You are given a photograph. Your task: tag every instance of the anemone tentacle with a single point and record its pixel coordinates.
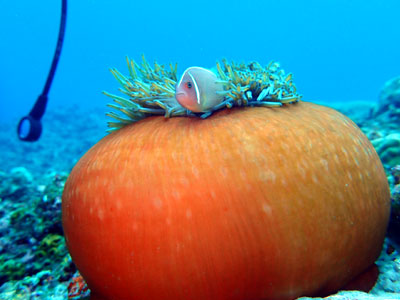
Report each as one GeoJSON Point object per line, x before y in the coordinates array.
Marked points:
{"type": "Point", "coordinates": [151, 90]}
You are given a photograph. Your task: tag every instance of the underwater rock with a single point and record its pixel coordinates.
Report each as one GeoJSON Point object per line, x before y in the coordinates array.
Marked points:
{"type": "Point", "coordinates": [21, 176]}
{"type": "Point", "coordinates": [249, 203]}
{"type": "Point", "coordinates": [389, 99]}
{"type": "Point", "coordinates": [388, 148]}
{"type": "Point", "coordinates": [389, 267]}
{"type": "Point", "coordinates": [394, 224]}
{"type": "Point", "coordinates": [354, 295]}
{"type": "Point", "coordinates": [15, 183]}
{"type": "Point", "coordinates": [396, 174]}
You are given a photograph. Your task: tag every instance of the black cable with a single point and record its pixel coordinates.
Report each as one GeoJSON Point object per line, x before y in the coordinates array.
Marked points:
{"type": "Point", "coordinates": [58, 48]}
{"type": "Point", "coordinates": [30, 127]}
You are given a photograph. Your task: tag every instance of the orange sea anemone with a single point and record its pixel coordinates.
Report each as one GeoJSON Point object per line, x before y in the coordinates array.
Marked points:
{"type": "Point", "coordinates": [250, 203]}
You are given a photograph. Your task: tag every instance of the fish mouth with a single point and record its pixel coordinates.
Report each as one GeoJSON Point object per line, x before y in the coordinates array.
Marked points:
{"type": "Point", "coordinates": [180, 93]}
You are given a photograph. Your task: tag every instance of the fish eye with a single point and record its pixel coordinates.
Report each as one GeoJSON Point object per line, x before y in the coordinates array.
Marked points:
{"type": "Point", "coordinates": [189, 84]}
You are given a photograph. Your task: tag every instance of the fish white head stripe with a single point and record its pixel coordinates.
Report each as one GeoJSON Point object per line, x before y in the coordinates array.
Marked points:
{"type": "Point", "coordinates": [195, 87]}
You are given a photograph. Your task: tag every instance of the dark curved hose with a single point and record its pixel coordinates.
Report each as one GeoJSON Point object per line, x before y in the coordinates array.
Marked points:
{"type": "Point", "coordinates": [30, 127]}
{"type": "Point", "coordinates": [58, 48]}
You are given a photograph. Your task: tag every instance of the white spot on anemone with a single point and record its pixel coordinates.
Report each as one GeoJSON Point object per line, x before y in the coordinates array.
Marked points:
{"type": "Point", "coordinates": [349, 176]}
{"type": "Point", "coordinates": [325, 164]}
{"type": "Point", "coordinates": [157, 203]}
{"type": "Point", "coordinates": [195, 172]}
{"type": "Point", "coordinates": [266, 208]}
{"type": "Point", "coordinates": [118, 204]}
{"type": "Point", "coordinates": [224, 172]}
{"type": "Point", "coordinates": [100, 214]}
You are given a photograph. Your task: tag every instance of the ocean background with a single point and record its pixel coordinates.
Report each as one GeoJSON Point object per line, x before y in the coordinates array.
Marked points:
{"type": "Point", "coordinates": [341, 53]}
{"type": "Point", "coordinates": [338, 50]}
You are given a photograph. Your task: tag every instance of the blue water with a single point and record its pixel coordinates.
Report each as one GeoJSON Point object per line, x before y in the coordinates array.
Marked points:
{"type": "Point", "coordinates": [338, 50]}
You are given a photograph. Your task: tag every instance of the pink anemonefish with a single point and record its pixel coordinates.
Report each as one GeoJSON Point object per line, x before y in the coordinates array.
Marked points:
{"type": "Point", "coordinates": [197, 90]}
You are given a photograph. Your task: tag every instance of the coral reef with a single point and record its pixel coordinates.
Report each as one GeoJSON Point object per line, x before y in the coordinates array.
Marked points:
{"type": "Point", "coordinates": [32, 248]}
{"type": "Point", "coordinates": [42, 285]}
{"type": "Point", "coordinates": [389, 266]}
{"type": "Point", "coordinates": [388, 148]}
{"type": "Point", "coordinates": [383, 124]}
{"type": "Point", "coordinates": [389, 100]}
